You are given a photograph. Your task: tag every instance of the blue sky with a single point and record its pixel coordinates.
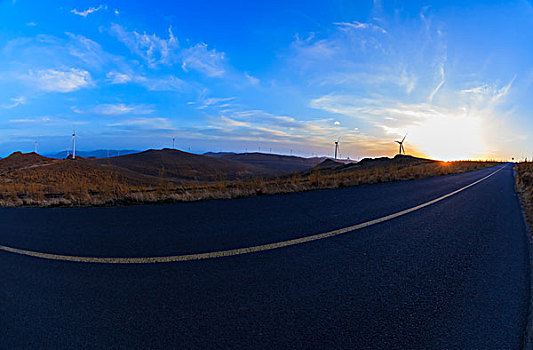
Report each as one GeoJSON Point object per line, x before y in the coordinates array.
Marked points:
{"type": "Point", "coordinates": [293, 75]}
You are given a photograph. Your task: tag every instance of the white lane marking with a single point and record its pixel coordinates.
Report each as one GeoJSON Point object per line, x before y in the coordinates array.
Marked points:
{"type": "Point", "coordinates": [232, 252]}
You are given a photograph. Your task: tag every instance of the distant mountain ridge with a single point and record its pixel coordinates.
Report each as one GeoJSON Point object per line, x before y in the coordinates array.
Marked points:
{"type": "Point", "coordinates": [99, 153]}
{"type": "Point", "coordinates": [175, 164]}
{"type": "Point", "coordinates": [281, 164]}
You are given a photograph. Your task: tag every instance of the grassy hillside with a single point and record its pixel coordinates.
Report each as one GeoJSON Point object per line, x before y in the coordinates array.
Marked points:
{"type": "Point", "coordinates": [183, 166]}
{"type": "Point", "coordinates": [279, 164]}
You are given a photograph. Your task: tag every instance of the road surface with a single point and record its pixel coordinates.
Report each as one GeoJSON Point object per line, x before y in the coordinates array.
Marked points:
{"type": "Point", "coordinates": [453, 274]}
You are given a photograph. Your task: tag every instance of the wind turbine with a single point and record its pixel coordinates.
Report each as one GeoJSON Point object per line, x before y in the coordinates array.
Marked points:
{"type": "Point", "coordinates": [337, 148]}
{"type": "Point", "coordinates": [35, 143]}
{"type": "Point", "coordinates": [74, 143]}
{"type": "Point", "coordinates": [401, 144]}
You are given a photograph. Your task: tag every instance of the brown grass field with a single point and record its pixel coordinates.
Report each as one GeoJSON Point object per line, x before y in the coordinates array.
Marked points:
{"type": "Point", "coordinates": [46, 182]}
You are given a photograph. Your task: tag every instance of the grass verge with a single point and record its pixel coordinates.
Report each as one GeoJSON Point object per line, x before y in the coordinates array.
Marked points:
{"type": "Point", "coordinates": [81, 187]}
{"type": "Point", "coordinates": [524, 187]}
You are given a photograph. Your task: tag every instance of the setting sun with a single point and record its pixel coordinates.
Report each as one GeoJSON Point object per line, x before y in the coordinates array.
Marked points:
{"type": "Point", "coordinates": [449, 138]}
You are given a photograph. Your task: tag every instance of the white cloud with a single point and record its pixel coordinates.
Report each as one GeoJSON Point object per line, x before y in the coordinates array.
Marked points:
{"type": "Point", "coordinates": [22, 120]}
{"type": "Point", "coordinates": [28, 120]}
{"type": "Point", "coordinates": [60, 80]}
{"type": "Point", "coordinates": [31, 24]}
{"type": "Point", "coordinates": [151, 48]}
{"type": "Point", "coordinates": [215, 102]}
{"type": "Point", "coordinates": [200, 58]}
{"type": "Point", "coordinates": [88, 51]}
{"type": "Point", "coordinates": [158, 51]}
{"type": "Point", "coordinates": [87, 12]}
{"type": "Point", "coordinates": [121, 108]}
{"type": "Point", "coordinates": [169, 83]}
{"type": "Point", "coordinates": [251, 79]}
{"type": "Point", "coordinates": [16, 101]}
{"type": "Point", "coordinates": [488, 94]}
{"type": "Point", "coordinates": [360, 25]}
{"type": "Point", "coordinates": [442, 81]}
{"type": "Point", "coordinates": [118, 78]}
{"type": "Point", "coordinates": [232, 122]}
{"type": "Point", "coordinates": [144, 123]}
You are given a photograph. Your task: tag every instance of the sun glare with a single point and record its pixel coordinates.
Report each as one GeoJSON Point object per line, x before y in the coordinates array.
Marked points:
{"type": "Point", "coordinates": [449, 138]}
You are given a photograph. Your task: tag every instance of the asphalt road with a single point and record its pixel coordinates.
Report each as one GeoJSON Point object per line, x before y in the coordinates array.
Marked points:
{"type": "Point", "coordinates": [452, 275]}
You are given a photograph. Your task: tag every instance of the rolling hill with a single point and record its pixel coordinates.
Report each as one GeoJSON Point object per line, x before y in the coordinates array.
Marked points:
{"type": "Point", "coordinates": [279, 164]}
{"type": "Point", "coordinates": [99, 153]}
{"type": "Point", "coordinates": [19, 160]}
{"type": "Point", "coordinates": [398, 162]}
{"type": "Point", "coordinates": [183, 166]}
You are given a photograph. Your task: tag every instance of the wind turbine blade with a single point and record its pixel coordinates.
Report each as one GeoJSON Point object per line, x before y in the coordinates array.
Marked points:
{"type": "Point", "coordinates": [398, 142]}
{"type": "Point", "coordinates": [404, 138]}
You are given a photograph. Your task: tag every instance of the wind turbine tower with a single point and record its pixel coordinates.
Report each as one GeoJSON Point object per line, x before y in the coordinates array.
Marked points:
{"type": "Point", "coordinates": [402, 149]}
{"type": "Point", "coordinates": [73, 143]}
{"type": "Point", "coordinates": [337, 148]}
{"type": "Point", "coordinates": [35, 144]}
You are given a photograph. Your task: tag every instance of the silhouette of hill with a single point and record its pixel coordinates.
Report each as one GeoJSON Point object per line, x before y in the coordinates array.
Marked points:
{"type": "Point", "coordinates": [19, 160]}
{"type": "Point", "coordinates": [175, 164]}
{"type": "Point", "coordinates": [397, 162]}
{"type": "Point", "coordinates": [280, 164]}
{"type": "Point", "coordinates": [99, 153]}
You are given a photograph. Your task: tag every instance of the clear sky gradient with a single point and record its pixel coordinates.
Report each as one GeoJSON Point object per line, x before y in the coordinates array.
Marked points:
{"type": "Point", "coordinates": [278, 75]}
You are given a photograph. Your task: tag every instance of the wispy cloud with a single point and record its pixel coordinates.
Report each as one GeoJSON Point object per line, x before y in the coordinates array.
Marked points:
{"type": "Point", "coordinates": [88, 51]}
{"type": "Point", "coordinates": [153, 49]}
{"type": "Point", "coordinates": [60, 80]}
{"type": "Point", "coordinates": [215, 102]}
{"type": "Point", "coordinates": [168, 83]}
{"type": "Point", "coordinates": [30, 120]}
{"type": "Point", "coordinates": [121, 108]}
{"type": "Point", "coordinates": [118, 78]}
{"type": "Point", "coordinates": [488, 93]}
{"type": "Point", "coordinates": [251, 79]}
{"type": "Point", "coordinates": [232, 122]}
{"type": "Point", "coordinates": [200, 58]}
{"type": "Point", "coordinates": [144, 124]}
{"type": "Point", "coordinates": [87, 12]}
{"type": "Point", "coordinates": [360, 25]}
{"type": "Point", "coordinates": [442, 81]}
{"type": "Point", "coordinates": [16, 101]}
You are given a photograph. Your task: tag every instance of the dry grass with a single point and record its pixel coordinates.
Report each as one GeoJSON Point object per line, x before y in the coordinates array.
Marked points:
{"type": "Point", "coordinates": [524, 187]}
{"type": "Point", "coordinates": [67, 183]}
